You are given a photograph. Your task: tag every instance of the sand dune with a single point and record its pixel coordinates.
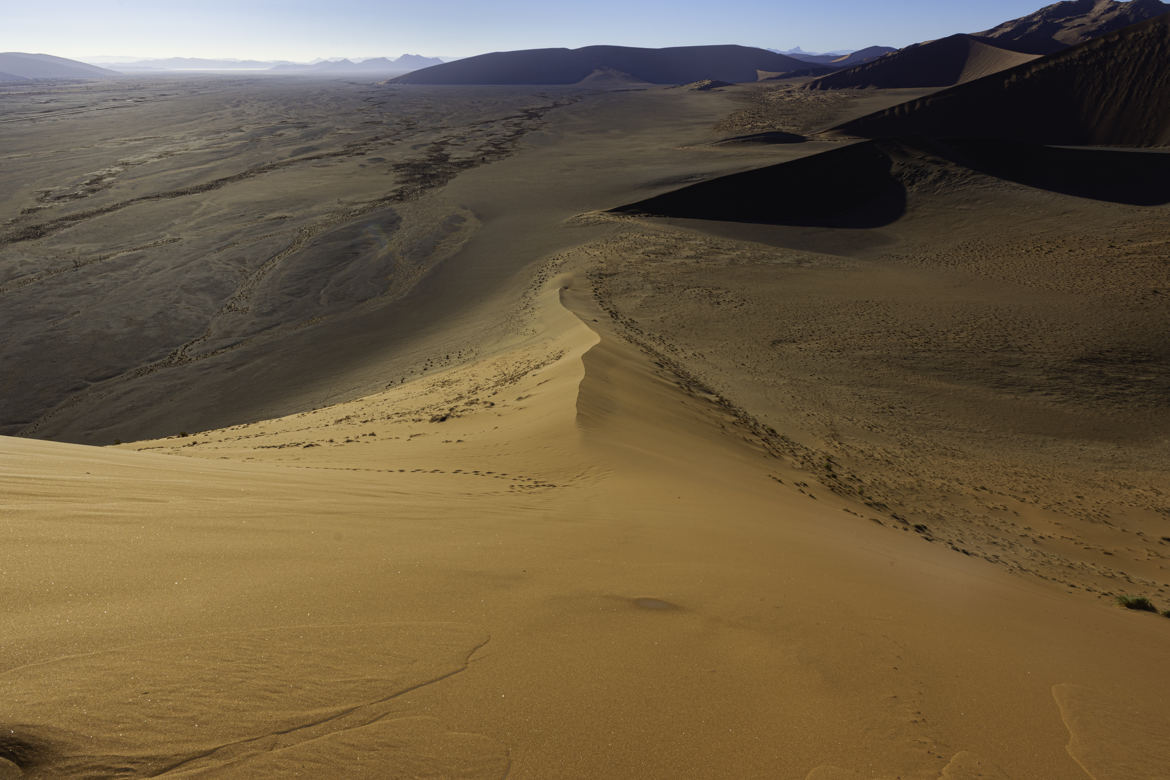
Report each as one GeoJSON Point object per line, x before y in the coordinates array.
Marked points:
{"type": "Point", "coordinates": [865, 184]}
{"type": "Point", "coordinates": [942, 63]}
{"type": "Point", "coordinates": [369, 591]}
{"type": "Point", "coordinates": [302, 224]}
{"type": "Point", "coordinates": [1072, 97]}
{"type": "Point", "coordinates": [1060, 25]}
{"type": "Point", "coordinates": [19, 66]}
{"type": "Point", "coordinates": [843, 60]}
{"type": "Point", "coordinates": [848, 187]}
{"type": "Point", "coordinates": [607, 78]}
{"type": "Point", "coordinates": [447, 471]}
{"type": "Point", "coordinates": [862, 55]}
{"type": "Point", "coordinates": [677, 65]}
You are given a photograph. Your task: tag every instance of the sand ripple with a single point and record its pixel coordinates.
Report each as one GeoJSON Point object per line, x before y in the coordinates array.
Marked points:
{"type": "Point", "coordinates": [227, 701]}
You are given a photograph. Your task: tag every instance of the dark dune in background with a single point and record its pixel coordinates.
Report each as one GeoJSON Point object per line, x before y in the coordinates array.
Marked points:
{"type": "Point", "coordinates": [862, 55]}
{"type": "Point", "coordinates": [957, 59]}
{"type": "Point", "coordinates": [842, 60]}
{"type": "Point", "coordinates": [19, 67]}
{"type": "Point", "coordinates": [676, 65]}
{"type": "Point", "coordinates": [946, 62]}
{"type": "Point", "coordinates": [865, 185]}
{"type": "Point", "coordinates": [1061, 25]}
{"type": "Point", "coordinates": [1137, 178]}
{"type": "Point", "coordinates": [1113, 90]}
{"type": "Point", "coordinates": [811, 58]}
{"type": "Point", "coordinates": [848, 187]}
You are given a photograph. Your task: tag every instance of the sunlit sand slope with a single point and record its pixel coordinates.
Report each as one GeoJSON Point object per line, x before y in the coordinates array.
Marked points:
{"type": "Point", "coordinates": [562, 560]}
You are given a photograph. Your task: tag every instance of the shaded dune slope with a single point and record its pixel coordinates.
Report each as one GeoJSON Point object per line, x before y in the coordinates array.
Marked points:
{"type": "Point", "coordinates": [1129, 177]}
{"type": "Point", "coordinates": [866, 185]}
{"type": "Point", "coordinates": [1061, 25]}
{"type": "Point", "coordinates": [845, 60]}
{"type": "Point", "coordinates": [1113, 90]}
{"type": "Point", "coordinates": [942, 63]}
{"type": "Point", "coordinates": [848, 187]}
{"type": "Point", "coordinates": [677, 65]}
{"type": "Point", "coordinates": [867, 54]}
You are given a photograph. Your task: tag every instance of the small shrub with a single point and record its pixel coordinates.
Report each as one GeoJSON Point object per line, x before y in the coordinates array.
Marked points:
{"type": "Point", "coordinates": [1140, 603]}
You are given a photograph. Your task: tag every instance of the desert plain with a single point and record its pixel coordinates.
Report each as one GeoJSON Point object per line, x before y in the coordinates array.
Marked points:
{"type": "Point", "coordinates": [393, 430]}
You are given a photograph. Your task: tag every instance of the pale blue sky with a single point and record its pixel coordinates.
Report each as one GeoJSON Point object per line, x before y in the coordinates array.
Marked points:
{"type": "Point", "coordinates": [303, 29]}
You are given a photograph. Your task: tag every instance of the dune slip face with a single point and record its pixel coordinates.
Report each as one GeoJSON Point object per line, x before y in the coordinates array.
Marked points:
{"type": "Point", "coordinates": [1110, 90]}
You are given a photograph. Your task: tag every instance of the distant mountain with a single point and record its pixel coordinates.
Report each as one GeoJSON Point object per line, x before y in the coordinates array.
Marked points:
{"type": "Point", "coordinates": [190, 63]}
{"type": "Point", "coordinates": [678, 65]}
{"type": "Point", "coordinates": [942, 63]}
{"type": "Point", "coordinates": [18, 67]}
{"type": "Point", "coordinates": [1061, 25]}
{"type": "Point", "coordinates": [839, 59]}
{"type": "Point", "coordinates": [1113, 90]}
{"type": "Point", "coordinates": [416, 61]}
{"type": "Point", "coordinates": [808, 56]}
{"type": "Point", "coordinates": [378, 66]}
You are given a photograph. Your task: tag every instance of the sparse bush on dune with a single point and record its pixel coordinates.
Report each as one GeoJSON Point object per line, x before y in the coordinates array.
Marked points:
{"type": "Point", "coordinates": [1140, 603]}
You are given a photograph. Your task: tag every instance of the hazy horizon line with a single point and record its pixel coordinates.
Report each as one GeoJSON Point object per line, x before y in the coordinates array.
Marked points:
{"type": "Point", "coordinates": [128, 58]}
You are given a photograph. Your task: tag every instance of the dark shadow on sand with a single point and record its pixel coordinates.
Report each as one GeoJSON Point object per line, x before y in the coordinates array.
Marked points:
{"type": "Point", "coordinates": [852, 187]}
{"type": "Point", "coordinates": [771, 137]}
{"type": "Point", "coordinates": [1137, 178]}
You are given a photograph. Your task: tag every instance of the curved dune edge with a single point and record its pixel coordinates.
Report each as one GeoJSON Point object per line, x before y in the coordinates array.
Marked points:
{"type": "Point", "coordinates": [662, 599]}
{"type": "Point", "coordinates": [1105, 730]}
{"type": "Point", "coordinates": [946, 62]}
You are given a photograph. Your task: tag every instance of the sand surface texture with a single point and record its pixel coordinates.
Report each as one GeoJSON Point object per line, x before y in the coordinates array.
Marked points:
{"type": "Point", "coordinates": [523, 487]}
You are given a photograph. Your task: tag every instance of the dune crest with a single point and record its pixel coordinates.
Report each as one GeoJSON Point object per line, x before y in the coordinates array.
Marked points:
{"type": "Point", "coordinates": [606, 580]}
{"type": "Point", "coordinates": [1072, 97]}
{"type": "Point", "coordinates": [674, 65]}
{"type": "Point", "coordinates": [1069, 23]}
{"type": "Point", "coordinates": [942, 63]}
